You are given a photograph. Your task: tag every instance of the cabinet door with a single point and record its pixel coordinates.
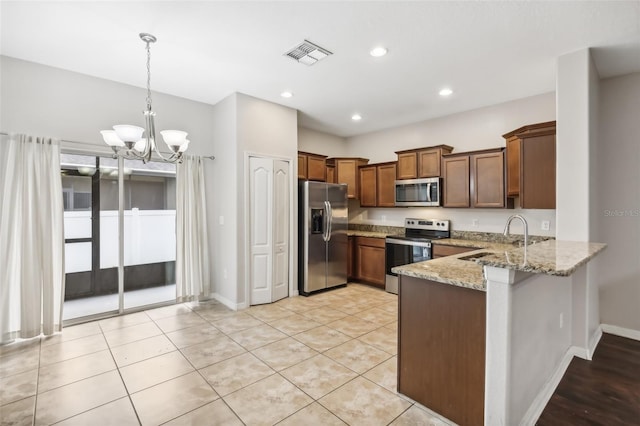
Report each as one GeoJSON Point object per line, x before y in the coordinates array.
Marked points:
{"type": "Point", "coordinates": [429, 163]}
{"type": "Point", "coordinates": [441, 250]}
{"type": "Point", "coordinates": [513, 166]}
{"type": "Point", "coordinates": [407, 165]}
{"type": "Point", "coordinates": [368, 186]}
{"type": "Point", "coordinates": [386, 196]}
{"type": "Point", "coordinates": [316, 168]}
{"type": "Point", "coordinates": [331, 174]}
{"type": "Point", "coordinates": [370, 263]}
{"type": "Point", "coordinates": [302, 166]}
{"type": "Point", "coordinates": [455, 188]}
{"type": "Point", "coordinates": [347, 172]}
{"type": "Point", "coordinates": [538, 181]}
{"type": "Point", "coordinates": [487, 180]}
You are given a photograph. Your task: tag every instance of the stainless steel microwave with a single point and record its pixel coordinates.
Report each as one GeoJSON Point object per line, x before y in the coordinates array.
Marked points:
{"type": "Point", "coordinates": [418, 192]}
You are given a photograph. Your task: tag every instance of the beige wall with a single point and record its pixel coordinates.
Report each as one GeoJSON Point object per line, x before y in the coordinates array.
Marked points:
{"type": "Point", "coordinates": [321, 143]}
{"type": "Point", "coordinates": [616, 216]}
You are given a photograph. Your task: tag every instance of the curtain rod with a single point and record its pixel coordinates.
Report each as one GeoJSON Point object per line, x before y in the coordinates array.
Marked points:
{"type": "Point", "coordinates": [210, 157]}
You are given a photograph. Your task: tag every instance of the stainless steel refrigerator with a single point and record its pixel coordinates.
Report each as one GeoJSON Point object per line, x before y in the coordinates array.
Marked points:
{"type": "Point", "coordinates": [322, 236]}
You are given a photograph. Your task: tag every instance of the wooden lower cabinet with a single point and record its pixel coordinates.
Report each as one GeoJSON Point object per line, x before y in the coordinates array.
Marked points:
{"type": "Point", "coordinates": [441, 348]}
{"type": "Point", "coordinates": [441, 250]}
{"type": "Point", "coordinates": [370, 260]}
{"type": "Point", "coordinates": [351, 270]}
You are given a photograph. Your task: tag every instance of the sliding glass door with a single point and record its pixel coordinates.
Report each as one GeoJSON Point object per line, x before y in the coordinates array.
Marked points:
{"type": "Point", "coordinates": [91, 192]}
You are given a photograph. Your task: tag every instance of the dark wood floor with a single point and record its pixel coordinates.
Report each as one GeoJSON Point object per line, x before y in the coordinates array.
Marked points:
{"type": "Point", "coordinates": [604, 391]}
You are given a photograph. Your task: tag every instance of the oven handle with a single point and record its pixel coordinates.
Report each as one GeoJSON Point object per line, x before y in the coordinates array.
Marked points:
{"type": "Point", "coordinates": [408, 243]}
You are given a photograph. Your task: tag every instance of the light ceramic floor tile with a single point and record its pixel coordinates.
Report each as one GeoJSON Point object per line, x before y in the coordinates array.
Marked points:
{"type": "Point", "coordinates": [393, 326]}
{"type": "Point", "coordinates": [300, 304]}
{"type": "Point", "coordinates": [324, 315]}
{"type": "Point", "coordinates": [193, 335]}
{"type": "Point", "coordinates": [294, 324]}
{"type": "Point", "coordinates": [72, 333]}
{"type": "Point", "coordinates": [256, 337]}
{"type": "Point", "coordinates": [391, 307]}
{"type": "Point", "coordinates": [20, 346]}
{"type": "Point", "coordinates": [272, 399]}
{"type": "Point", "coordinates": [141, 350]}
{"type": "Point", "coordinates": [124, 321]}
{"type": "Point", "coordinates": [66, 401]}
{"type": "Point", "coordinates": [117, 413]}
{"type": "Point", "coordinates": [19, 413]}
{"type": "Point", "coordinates": [167, 311]}
{"type": "Point", "coordinates": [377, 316]}
{"type": "Point", "coordinates": [385, 374]}
{"type": "Point", "coordinates": [203, 305]}
{"type": "Point", "coordinates": [235, 373]}
{"type": "Point", "coordinates": [212, 351]}
{"type": "Point", "coordinates": [152, 371]}
{"type": "Point", "coordinates": [19, 362]}
{"type": "Point", "coordinates": [236, 322]}
{"type": "Point", "coordinates": [218, 313]}
{"type": "Point", "coordinates": [72, 370]}
{"type": "Point", "coordinates": [72, 349]}
{"type": "Point", "coordinates": [284, 353]}
{"type": "Point", "coordinates": [122, 336]}
{"type": "Point", "coordinates": [216, 412]}
{"type": "Point", "coordinates": [314, 414]}
{"type": "Point", "coordinates": [168, 400]}
{"type": "Point", "coordinates": [268, 313]}
{"type": "Point", "coordinates": [179, 322]}
{"type": "Point", "coordinates": [354, 306]}
{"type": "Point", "coordinates": [417, 416]}
{"type": "Point", "coordinates": [318, 376]}
{"type": "Point", "coordinates": [383, 338]}
{"type": "Point", "coordinates": [18, 386]}
{"type": "Point", "coordinates": [353, 326]}
{"type": "Point", "coordinates": [361, 402]}
{"type": "Point", "coordinates": [322, 338]}
{"type": "Point", "coordinates": [357, 356]}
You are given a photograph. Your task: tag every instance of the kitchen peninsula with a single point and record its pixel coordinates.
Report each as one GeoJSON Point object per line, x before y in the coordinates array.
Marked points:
{"type": "Point", "coordinates": [484, 334]}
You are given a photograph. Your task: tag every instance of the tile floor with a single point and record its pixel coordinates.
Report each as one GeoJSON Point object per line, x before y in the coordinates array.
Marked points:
{"type": "Point", "coordinates": [329, 359]}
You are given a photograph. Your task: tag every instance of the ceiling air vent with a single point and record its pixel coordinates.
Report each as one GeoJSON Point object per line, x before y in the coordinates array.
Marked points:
{"type": "Point", "coordinates": [308, 53]}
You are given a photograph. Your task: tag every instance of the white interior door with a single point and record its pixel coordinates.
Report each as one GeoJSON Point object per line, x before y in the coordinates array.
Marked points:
{"type": "Point", "coordinates": [280, 230]}
{"type": "Point", "coordinates": [261, 229]}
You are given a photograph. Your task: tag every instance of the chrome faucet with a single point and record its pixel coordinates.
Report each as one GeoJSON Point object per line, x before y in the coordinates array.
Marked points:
{"type": "Point", "coordinates": [524, 222]}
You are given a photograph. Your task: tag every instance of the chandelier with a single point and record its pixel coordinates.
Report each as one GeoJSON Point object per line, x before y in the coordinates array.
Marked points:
{"type": "Point", "coordinates": [127, 141]}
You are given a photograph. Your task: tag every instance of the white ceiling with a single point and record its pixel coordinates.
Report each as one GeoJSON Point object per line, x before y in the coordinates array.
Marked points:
{"type": "Point", "coordinates": [487, 52]}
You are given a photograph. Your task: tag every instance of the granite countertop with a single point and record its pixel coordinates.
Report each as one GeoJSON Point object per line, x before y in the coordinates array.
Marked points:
{"type": "Point", "coordinates": [370, 234]}
{"type": "Point", "coordinates": [550, 257]}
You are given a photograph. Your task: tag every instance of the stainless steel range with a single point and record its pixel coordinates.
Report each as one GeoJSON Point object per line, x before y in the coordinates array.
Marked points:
{"type": "Point", "coordinates": [414, 246]}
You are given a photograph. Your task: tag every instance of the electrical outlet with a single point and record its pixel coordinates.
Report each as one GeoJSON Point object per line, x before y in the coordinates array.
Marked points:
{"type": "Point", "coordinates": [544, 225]}
{"type": "Point", "coordinates": [475, 223]}
{"type": "Point", "coordinates": [561, 319]}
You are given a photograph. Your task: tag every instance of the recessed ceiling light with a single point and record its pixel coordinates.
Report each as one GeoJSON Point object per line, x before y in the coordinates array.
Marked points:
{"type": "Point", "coordinates": [376, 52]}
{"type": "Point", "coordinates": [356, 117]}
{"type": "Point", "coordinates": [286, 94]}
{"type": "Point", "coordinates": [446, 92]}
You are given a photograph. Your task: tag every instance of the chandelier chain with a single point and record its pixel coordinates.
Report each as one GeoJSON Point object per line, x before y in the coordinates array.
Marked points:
{"type": "Point", "coordinates": [148, 76]}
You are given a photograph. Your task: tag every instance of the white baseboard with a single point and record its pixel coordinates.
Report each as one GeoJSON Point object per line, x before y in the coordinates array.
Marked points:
{"type": "Point", "coordinates": [593, 342]}
{"type": "Point", "coordinates": [228, 303]}
{"type": "Point", "coordinates": [621, 331]}
{"type": "Point", "coordinates": [542, 399]}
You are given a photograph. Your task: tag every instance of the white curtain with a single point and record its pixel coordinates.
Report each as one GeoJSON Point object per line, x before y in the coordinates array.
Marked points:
{"type": "Point", "coordinates": [192, 256]}
{"type": "Point", "coordinates": [31, 238]}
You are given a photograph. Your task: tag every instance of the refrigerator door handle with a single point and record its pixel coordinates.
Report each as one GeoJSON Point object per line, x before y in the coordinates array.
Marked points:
{"type": "Point", "coordinates": [330, 220]}
{"type": "Point", "coordinates": [325, 235]}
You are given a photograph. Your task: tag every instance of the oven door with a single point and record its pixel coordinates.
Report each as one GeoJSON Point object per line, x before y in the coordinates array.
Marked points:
{"type": "Point", "coordinates": [403, 252]}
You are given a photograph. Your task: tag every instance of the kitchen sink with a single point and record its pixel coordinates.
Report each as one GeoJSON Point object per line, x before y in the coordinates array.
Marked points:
{"type": "Point", "coordinates": [475, 255]}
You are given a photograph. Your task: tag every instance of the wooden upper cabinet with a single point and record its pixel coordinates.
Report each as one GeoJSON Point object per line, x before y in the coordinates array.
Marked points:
{"type": "Point", "coordinates": [312, 166]}
{"type": "Point", "coordinates": [386, 184]}
{"type": "Point", "coordinates": [331, 174]}
{"type": "Point", "coordinates": [531, 165]}
{"type": "Point", "coordinates": [474, 179]}
{"type": "Point", "coordinates": [407, 165]}
{"type": "Point", "coordinates": [368, 186]}
{"type": "Point", "coordinates": [347, 172]}
{"type": "Point", "coordinates": [421, 162]}
{"type": "Point", "coordinates": [455, 181]}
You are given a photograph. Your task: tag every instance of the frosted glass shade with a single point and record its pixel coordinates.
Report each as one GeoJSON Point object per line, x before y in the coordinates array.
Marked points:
{"type": "Point", "coordinates": [173, 138]}
{"type": "Point", "coordinates": [184, 146]}
{"type": "Point", "coordinates": [140, 145]}
{"type": "Point", "coordinates": [111, 138]}
{"type": "Point", "coordinates": [128, 133]}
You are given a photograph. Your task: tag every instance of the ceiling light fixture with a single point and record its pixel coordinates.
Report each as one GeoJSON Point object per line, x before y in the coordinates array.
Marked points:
{"type": "Point", "coordinates": [445, 92]}
{"type": "Point", "coordinates": [378, 51]}
{"type": "Point", "coordinates": [286, 94]}
{"type": "Point", "coordinates": [356, 117]}
{"type": "Point", "coordinates": [127, 141]}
